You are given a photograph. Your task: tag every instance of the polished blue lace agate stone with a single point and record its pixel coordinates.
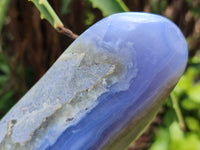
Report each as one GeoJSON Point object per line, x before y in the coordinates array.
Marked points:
{"type": "Point", "coordinates": [103, 90]}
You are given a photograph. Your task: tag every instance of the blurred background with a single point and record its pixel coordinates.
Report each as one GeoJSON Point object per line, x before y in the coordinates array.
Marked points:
{"type": "Point", "coordinates": [29, 46]}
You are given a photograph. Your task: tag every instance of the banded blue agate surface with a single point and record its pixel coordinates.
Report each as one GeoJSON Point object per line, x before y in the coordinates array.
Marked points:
{"type": "Point", "coordinates": [103, 90]}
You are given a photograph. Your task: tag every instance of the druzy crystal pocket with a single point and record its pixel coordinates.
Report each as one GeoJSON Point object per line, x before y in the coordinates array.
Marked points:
{"type": "Point", "coordinates": [103, 90]}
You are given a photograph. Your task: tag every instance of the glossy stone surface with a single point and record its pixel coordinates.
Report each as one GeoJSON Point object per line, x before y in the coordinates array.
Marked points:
{"type": "Point", "coordinates": [103, 90]}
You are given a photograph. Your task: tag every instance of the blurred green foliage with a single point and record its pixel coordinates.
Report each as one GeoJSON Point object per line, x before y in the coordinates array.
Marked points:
{"type": "Point", "coordinates": [5, 102]}
{"type": "Point", "coordinates": [65, 7]}
{"type": "Point", "coordinates": [169, 135]}
{"type": "Point", "coordinates": [5, 74]}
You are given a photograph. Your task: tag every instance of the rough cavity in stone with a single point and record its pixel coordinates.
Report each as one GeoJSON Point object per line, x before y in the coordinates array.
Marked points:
{"type": "Point", "coordinates": [81, 74]}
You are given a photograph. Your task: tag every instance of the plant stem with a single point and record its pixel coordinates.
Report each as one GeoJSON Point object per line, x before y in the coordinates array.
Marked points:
{"type": "Point", "coordinates": [49, 14]}
{"type": "Point", "coordinates": [177, 111]}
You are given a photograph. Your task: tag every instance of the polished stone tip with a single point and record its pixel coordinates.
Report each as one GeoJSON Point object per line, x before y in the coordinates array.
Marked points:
{"type": "Point", "coordinates": [103, 90]}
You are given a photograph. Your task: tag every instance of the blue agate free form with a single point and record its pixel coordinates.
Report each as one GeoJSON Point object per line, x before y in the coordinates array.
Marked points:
{"type": "Point", "coordinates": [103, 90]}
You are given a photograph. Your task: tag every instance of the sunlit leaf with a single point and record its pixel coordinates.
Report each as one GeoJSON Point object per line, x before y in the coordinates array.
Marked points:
{"type": "Point", "coordinates": [109, 7]}
{"type": "Point", "coordinates": [175, 131]}
{"type": "Point", "coordinates": [89, 19]}
{"type": "Point", "coordinates": [189, 105]}
{"type": "Point", "coordinates": [186, 80]}
{"type": "Point", "coordinates": [162, 140]}
{"type": "Point", "coordinates": [187, 142]}
{"type": "Point", "coordinates": [192, 123]}
{"type": "Point", "coordinates": [194, 93]}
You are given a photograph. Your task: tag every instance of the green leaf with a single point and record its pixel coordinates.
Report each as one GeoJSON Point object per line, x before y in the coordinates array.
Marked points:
{"type": "Point", "coordinates": [175, 132]}
{"type": "Point", "coordinates": [4, 68]}
{"type": "Point", "coordinates": [194, 93]}
{"type": "Point", "coordinates": [109, 7]}
{"type": "Point", "coordinates": [173, 138]}
{"type": "Point", "coordinates": [169, 117]}
{"type": "Point", "coordinates": [162, 140]}
{"type": "Point", "coordinates": [186, 81]}
{"type": "Point", "coordinates": [89, 19]}
{"type": "Point", "coordinates": [192, 123]}
{"type": "Point", "coordinates": [48, 13]}
{"type": "Point", "coordinates": [4, 4]}
{"type": "Point", "coordinates": [3, 79]}
{"type": "Point", "coordinates": [188, 142]}
{"type": "Point", "coordinates": [188, 104]}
